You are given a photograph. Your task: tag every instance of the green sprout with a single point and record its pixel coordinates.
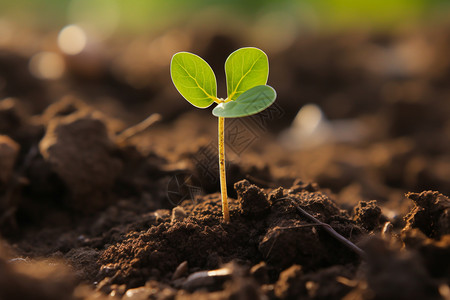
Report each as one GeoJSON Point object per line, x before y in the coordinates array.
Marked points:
{"type": "Point", "coordinates": [246, 70]}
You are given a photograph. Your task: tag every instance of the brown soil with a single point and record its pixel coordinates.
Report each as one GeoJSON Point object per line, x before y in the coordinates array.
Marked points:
{"type": "Point", "coordinates": [85, 214]}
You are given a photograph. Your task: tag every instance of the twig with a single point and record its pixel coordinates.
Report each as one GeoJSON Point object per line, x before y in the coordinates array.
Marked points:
{"type": "Point", "coordinates": [138, 128]}
{"type": "Point", "coordinates": [328, 229]}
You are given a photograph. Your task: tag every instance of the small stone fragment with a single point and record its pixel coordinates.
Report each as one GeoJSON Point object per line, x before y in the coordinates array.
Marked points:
{"type": "Point", "coordinates": [204, 279]}
{"type": "Point", "coordinates": [178, 214]}
{"type": "Point", "coordinates": [180, 270]}
{"type": "Point", "coordinates": [386, 232]}
{"type": "Point", "coordinates": [140, 293]}
{"type": "Point", "coordinates": [117, 290]}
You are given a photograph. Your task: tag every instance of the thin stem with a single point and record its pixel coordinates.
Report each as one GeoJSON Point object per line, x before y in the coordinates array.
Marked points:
{"type": "Point", "coordinates": [223, 180]}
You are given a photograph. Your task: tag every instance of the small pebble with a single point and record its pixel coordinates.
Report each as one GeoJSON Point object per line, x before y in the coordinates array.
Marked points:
{"type": "Point", "coordinates": [180, 270]}
{"type": "Point", "coordinates": [140, 293]}
{"type": "Point", "coordinates": [203, 279]}
{"type": "Point", "coordinates": [178, 214]}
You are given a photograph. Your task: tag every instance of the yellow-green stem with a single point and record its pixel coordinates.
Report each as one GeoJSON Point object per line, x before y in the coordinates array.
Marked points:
{"type": "Point", "coordinates": [223, 180]}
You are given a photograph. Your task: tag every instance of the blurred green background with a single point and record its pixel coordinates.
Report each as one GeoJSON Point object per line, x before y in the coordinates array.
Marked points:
{"type": "Point", "coordinates": [143, 15]}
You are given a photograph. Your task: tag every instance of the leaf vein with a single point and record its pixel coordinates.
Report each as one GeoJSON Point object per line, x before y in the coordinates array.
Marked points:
{"type": "Point", "coordinates": [244, 75]}
{"type": "Point", "coordinates": [195, 80]}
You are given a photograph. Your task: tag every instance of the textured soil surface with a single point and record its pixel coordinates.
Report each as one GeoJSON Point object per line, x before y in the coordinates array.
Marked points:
{"type": "Point", "coordinates": [358, 209]}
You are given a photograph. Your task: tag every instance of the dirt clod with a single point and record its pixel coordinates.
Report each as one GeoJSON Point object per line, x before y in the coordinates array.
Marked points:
{"type": "Point", "coordinates": [40, 280]}
{"type": "Point", "coordinates": [408, 278]}
{"type": "Point", "coordinates": [252, 200]}
{"type": "Point", "coordinates": [367, 214]}
{"type": "Point", "coordinates": [292, 242]}
{"type": "Point", "coordinates": [434, 253]}
{"type": "Point", "coordinates": [80, 151]}
{"type": "Point", "coordinates": [299, 186]}
{"type": "Point", "coordinates": [431, 214]}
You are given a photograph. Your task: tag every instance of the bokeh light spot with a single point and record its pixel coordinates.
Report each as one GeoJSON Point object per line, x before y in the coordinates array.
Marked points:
{"type": "Point", "coordinates": [47, 65]}
{"type": "Point", "coordinates": [72, 39]}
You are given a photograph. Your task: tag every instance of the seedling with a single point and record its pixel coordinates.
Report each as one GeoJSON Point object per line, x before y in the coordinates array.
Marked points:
{"type": "Point", "coordinates": [246, 70]}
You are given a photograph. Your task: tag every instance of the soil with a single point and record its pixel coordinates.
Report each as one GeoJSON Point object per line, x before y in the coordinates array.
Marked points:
{"type": "Point", "coordinates": [359, 214]}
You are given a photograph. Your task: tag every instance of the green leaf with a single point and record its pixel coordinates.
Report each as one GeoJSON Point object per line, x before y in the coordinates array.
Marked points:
{"type": "Point", "coordinates": [194, 79]}
{"type": "Point", "coordinates": [245, 68]}
{"type": "Point", "coordinates": [249, 103]}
